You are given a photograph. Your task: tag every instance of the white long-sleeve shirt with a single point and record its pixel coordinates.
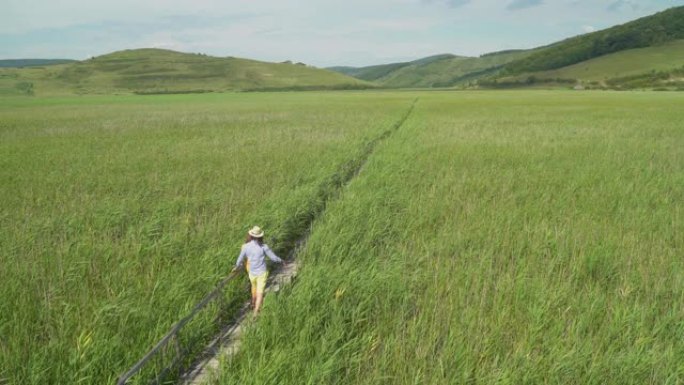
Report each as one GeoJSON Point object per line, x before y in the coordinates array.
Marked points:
{"type": "Point", "coordinates": [255, 255]}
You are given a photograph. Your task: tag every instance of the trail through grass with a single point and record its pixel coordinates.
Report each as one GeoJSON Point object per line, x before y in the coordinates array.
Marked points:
{"type": "Point", "coordinates": [119, 213]}
{"type": "Point", "coordinates": [509, 237]}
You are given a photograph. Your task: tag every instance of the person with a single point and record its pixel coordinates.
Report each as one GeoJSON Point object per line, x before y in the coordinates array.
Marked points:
{"type": "Point", "coordinates": [253, 254]}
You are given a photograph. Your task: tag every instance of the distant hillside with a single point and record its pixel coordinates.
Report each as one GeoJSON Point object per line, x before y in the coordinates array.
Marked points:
{"type": "Point", "coordinates": [624, 63]}
{"type": "Point", "coordinates": [642, 52]}
{"type": "Point", "coordinates": [648, 31]}
{"type": "Point", "coordinates": [370, 73]}
{"type": "Point", "coordinates": [651, 67]}
{"type": "Point", "coordinates": [376, 72]}
{"type": "Point", "coordinates": [20, 63]}
{"type": "Point", "coordinates": [444, 70]}
{"type": "Point", "coordinates": [448, 72]}
{"type": "Point", "coordinates": [152, 71]}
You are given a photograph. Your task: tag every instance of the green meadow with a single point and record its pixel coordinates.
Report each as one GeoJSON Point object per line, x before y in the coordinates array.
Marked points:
{"type": "Point", "coordinates": [494, 237]}
{"type": "Point", "coordinates": [120, 213]}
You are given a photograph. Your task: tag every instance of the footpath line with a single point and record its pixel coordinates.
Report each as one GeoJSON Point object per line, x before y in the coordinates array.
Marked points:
{"type": "Point", "coordinates": [227, 342]}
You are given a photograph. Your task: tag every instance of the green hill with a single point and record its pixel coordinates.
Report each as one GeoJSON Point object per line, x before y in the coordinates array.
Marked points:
{"type": "Point", "coordinates": [376, 72]}
{"type": "Point", "coordinates": [646, 52]}
{"type": "Point", "coordinates": [448, 72]}
{"type": "Point", "coordinates": [150, 71]}
{"type": "Point", "coordinates": [659, 66]}
{"type": "Point", "coordinates": [624, 63]}
{"type": "Point", "coordinates": [444, 70]}
{"type": "Point", "coordinates": [370, 73]}
{"type": "Point", "coordinates": [648, 31]}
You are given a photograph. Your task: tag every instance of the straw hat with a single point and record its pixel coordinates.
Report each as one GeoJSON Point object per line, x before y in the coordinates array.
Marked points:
{"type": "Point", "coordinates": [256, 232]}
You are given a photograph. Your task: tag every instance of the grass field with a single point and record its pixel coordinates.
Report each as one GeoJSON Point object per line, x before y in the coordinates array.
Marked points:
{"type": "Point", "coordinates": [495, 237]}
{"type": "Point", "coordinates": [120, 213]}
{"type": "Point", "coordinates": [503, 238]}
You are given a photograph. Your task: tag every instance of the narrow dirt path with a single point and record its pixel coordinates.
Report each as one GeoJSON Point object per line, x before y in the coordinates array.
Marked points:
{"type": "Point", "coordinates": [228, 342]}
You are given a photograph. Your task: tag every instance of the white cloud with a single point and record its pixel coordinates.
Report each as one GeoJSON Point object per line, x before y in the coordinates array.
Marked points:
{"type": "Point", "coordinates": [26, 15]}
{"type": "Point", "coordinates": [319, 32]}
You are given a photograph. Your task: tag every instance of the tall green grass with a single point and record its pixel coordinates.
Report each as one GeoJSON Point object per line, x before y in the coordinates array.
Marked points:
{"type": "Point", "coordinates": [510, 238]}
{"type": "Point", "coordinates": [120, 213]}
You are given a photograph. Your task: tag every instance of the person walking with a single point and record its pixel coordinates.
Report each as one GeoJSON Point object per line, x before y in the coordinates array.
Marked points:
{"type": "Point", "coordinates": [253, 254]}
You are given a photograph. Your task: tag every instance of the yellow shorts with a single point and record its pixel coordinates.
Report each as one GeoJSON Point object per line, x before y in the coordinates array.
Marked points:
{"type": "Point", "coordinates": [258, 281]}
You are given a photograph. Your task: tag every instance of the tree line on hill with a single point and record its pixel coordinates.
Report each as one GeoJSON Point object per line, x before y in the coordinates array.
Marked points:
{"type": "Point", "coordinates": [648, 31]}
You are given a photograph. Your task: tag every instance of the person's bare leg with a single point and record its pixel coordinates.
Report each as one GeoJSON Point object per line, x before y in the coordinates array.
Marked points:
{"type": "Point", "coordinates": [259, 301]}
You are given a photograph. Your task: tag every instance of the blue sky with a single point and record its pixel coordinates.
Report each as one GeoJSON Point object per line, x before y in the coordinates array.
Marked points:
{"type": "Point", "coordinates": [317, 32]}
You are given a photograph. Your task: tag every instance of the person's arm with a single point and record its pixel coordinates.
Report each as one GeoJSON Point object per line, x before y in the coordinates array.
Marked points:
{"type": "Point", "coordinates": [271, 255]}
{"type": "Point", "coordinates": [240, 259]}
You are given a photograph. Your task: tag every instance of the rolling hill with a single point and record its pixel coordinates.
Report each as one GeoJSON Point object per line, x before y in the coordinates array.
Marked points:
{"type": "Point", "coordinates": [434, 71]}
{"type": "Point", "coordinates": [449, 72]}
{"type": "Point", "coordinates": [624, 63]}
{"type": "Point", "coordinates": [648, 31]}
{"type": "Point", "coordinates": [377, 72]}
{"type": "Point", "coordinates": [156, 71]}
{"type": "Point", "coordinates": [657, 66]}
{"type": "Point", "coordinates": [644, 53]}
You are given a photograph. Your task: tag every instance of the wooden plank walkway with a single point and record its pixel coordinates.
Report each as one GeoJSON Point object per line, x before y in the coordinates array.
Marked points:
{"type": "Point", "coordinates": [228, 342]}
